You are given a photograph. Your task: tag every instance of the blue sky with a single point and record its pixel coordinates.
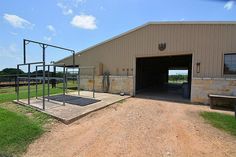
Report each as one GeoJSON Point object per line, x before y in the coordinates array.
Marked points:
{"type": "Point", "coordinates": [78, 24]}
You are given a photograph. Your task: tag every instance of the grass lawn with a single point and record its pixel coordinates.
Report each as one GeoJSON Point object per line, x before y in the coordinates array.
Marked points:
{"type": "Point", "coordinates": [222, 121]}
{"type": "Point", "coordinates": [9, 94]}
{"type": "Point", "coordinates": [19, 126]}
{"type": "Point", "coordinates": [177, 81]}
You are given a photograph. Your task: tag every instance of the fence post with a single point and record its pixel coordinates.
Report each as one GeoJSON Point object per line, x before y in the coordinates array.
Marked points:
{"type": "Point", "coordinates": [64, 79]}
{"type": "Point", "coordinates": [48, 82]}
{"type": "Point", "coordinates": [28, 84]}
{"type": "Point", "coordinates": [44, 76]}
{"type": "Point", "coordinates": [36, 86]}
{"type": "Point", "coordinates": [17, 92]}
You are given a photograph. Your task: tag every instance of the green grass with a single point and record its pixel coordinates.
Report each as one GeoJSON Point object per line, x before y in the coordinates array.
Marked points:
{"type": "Point", "coordinates": [177, 81]}
{"type": "Point", "coordinates": [19, 126]}
{"type": "Point", "coordinates": [9, 94]}
{"type": "Point", "coordinates": [222, 121]}
{"type": "Point", "coordinates": [122, 101]}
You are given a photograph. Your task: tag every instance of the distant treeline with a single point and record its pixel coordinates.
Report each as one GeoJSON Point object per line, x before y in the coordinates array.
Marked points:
{"type": "Point", "coordinates": [9, 74]}
{"type": "Point", "coordinates": [13, 72]}
{"type": "Point", "coordinates": [178, 77]}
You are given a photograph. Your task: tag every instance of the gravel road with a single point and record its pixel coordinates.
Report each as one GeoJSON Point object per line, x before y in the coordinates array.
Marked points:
{"type": "Point", "coordinates": [138, 127]}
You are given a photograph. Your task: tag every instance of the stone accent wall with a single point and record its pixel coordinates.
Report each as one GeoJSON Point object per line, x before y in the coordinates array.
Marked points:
{"type": "Point", "coordinates": [117, 84]}
{"type": "Point", "coordinates": [202, 87]}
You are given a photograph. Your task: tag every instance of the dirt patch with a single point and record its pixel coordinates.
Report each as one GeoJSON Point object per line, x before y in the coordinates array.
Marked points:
{"type": "Point", "coordinates": [137, 127]}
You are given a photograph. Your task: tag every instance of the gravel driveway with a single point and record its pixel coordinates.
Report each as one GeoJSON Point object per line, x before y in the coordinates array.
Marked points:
{"type": "Point", "coordinates": [137, 127]}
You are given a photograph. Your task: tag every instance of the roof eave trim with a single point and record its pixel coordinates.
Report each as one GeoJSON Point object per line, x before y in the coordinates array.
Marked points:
{"type": "Point", "coordinates": [150, 23]}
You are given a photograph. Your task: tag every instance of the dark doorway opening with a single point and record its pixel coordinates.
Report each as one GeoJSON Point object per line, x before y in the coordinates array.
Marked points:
{"type": "Point", "coordinates": [166, 77]}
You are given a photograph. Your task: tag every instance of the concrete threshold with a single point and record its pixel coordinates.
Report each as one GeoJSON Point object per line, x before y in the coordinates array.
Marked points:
{"type": "Point", "coordinates": [71, 112]}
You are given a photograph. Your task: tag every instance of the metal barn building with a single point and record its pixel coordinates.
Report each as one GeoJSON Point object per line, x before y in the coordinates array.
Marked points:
{"type": "Point", "coordinates": [138, 61]}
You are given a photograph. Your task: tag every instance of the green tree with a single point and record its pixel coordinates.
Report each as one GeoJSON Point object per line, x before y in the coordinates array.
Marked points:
{"type": "Point", "coordinates": [11, 71]}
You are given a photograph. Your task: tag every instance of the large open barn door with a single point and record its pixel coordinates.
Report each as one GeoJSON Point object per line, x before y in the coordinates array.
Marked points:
{"type": "Point", "coordinates": [166, 77]}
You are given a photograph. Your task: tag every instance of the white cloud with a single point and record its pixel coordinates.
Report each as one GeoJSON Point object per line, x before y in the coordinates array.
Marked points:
{"type": "Point", "coordinates": [68, 12]}
{"type": "Point", "coordinates": [65, 9]}
{"type": "Point", "coordinates": [229, 5]}
{"type": "Point", "coordinates": [84, 22]}
{"type": "Point", "coordinates": [51, 29]}
{"type": "Point", "coordinates": [101, 8]}
{"type": "Point", "coordinates": [48, 39]}
{"type": "Point", "coordinates": [17, 21]}
{"type": "Point", "coordinates": [13, 33]}
{"type": "Point", "coordinates": [183, 19]}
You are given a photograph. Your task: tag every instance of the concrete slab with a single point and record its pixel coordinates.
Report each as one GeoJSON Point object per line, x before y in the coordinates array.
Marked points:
{"type": "Point", "coordinates": [163, 94]}
{"type": "Point", "coordinates": [71, 112]}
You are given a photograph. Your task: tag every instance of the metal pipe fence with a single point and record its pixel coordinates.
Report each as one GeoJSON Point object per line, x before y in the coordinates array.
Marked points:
{"type": "Point", "coordinates": [43, 76]}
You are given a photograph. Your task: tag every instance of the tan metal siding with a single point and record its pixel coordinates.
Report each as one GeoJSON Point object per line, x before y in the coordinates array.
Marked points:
{"type": "Point", "coordinates": [207, 43]}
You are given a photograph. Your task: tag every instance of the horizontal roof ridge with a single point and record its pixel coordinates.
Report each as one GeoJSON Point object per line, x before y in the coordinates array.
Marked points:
{"type": "Point", "coordinates": [192, 22]}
